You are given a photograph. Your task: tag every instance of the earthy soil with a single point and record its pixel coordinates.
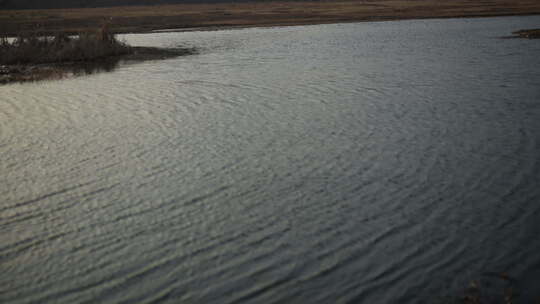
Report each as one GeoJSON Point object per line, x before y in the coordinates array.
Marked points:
{"type": "Point", "coordinates": [267, 13]}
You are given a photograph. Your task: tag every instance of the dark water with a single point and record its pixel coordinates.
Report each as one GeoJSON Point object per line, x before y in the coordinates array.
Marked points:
{"type": "Point", "coordinates": [386, 162]}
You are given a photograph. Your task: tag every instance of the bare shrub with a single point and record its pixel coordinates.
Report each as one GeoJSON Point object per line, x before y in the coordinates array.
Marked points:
{"type": "Point", "coordinates": [35, 49]}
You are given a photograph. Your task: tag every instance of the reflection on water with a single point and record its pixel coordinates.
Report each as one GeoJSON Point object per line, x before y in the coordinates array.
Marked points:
{"type": "Point", "coordinates": [387, 162]}
{"type": "Point", "coordinates": [40, 72]}
{"type": "Point", "coordinates": [87, 68]}
{"type": "Point", "coordinates": [10, 74]}
{"type": "Point", "coordinates": [77, 69]}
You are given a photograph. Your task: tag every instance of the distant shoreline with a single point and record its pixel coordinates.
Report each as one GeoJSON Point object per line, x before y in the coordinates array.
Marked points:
{"type": "Point", "coordinates": [240, 27]}
{"type": "Point", "coordinates": [180, 17]}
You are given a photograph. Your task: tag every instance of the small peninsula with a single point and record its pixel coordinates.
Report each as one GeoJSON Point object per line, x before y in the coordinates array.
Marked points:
{"type": "Point", "coordinates": [32, 57]}
{"type": "Point", "coordinates": [529, 34]}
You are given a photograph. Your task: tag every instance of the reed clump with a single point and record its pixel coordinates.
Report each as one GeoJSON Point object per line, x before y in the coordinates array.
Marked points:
{"type": "Point", "coordinates": [38, 49]}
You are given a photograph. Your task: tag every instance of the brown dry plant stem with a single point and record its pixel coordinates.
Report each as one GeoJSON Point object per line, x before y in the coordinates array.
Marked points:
{"type": "Point", "coordinates": [36, 49]}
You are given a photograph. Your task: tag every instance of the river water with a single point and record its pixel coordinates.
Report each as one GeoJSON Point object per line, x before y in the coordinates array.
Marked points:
{"type": "Point", "coordinates": [388, 162]}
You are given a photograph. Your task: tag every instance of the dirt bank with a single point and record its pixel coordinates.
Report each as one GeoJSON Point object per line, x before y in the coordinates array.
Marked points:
{"type": "Point", "coordinates": [159, 17]}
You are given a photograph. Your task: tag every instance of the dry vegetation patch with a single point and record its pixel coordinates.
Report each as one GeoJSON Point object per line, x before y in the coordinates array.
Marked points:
{"type": "Point", "coordinates": [35, 49]}
{"type": "Point", "coordinates": [31, 57]}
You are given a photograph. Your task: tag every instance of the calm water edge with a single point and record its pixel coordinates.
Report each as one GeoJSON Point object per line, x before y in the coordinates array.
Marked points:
{"type": "Point", "coordinates": [388, 162]}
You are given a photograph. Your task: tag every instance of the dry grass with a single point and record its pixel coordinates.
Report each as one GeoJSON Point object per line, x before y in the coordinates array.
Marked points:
{"type": "Point", "coordinates": [35, 56]}
{"type": "Point", "coordinates": [146, 18]}
{"type": "Point", "coordinates": [37, 49]}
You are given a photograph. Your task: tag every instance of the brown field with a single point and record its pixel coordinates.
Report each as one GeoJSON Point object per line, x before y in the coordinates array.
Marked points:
{"type": "Point", "coordinates": [184, 16]}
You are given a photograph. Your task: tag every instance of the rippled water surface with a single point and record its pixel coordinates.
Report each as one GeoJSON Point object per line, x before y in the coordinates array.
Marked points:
{"type": "Point", "coordinates": [385, 162]}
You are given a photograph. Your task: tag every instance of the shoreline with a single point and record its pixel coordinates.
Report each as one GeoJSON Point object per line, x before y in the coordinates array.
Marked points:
{"type": "Point", "coordinates": [270, 25]}
{"type": "Point", "coordinates": [60, 70]}
{"type": "Point", "coordinates": [220, 16]}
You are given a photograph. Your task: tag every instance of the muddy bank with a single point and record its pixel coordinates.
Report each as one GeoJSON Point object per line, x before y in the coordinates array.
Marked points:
{"type": "Point", "coordinates": [252, 13]}
{"type": "Point", "coordinates": [529, 34]}
{"type": "Point", "coordinates": [59, 70]}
